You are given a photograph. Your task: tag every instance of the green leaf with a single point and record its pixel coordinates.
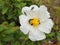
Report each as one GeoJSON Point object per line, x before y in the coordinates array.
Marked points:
{"type": "Point", "coordinates": [1, 3]}
{"type": "Point", "coordinates": [18, 0]}
{"type": "Point", "coordinates": [58, 36]}
{"type": "Point", "coordinates": [8, 38]}
{"type": "Point", "coordinates": [51, 34]}
{"type": "Point", "coordinates": [12, 24]}
{"type": "Point", "coordinates": [16, 43]}
{"type": "Point", "coordinates": [1, 43]}
{"type": "Point", "coordinates": [1, 36]}
{"type": "Point", "coordinates": [19, 11]}
{"type": "Point", "coordinates": [1, 28]}
{"type": "Point", "coordinates": [10, 16]}
{"type": "Point", "coordinates": [9, 31]}
{"type": "Point", "coordinates": [4, 9]}
{"type": "Point", "coordinates": [22, 4]}
{"type": "Point", "coordinates": [5, 23]}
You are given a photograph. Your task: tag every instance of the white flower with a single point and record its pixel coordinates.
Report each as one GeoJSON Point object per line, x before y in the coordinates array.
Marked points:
{"type": "Point", "coordinates": [35, 22]}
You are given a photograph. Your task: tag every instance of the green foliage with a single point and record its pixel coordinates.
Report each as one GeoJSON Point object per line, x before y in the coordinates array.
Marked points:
{"type": "Point", "coordinates": [16, 43]}
{"type": "Point", "coordinates": [58, 36]}
{"type": "Point", "coordinates": [57, 13]}
{"type": "Point", "coordinates": [10, 10]}
{"type": "Point", "coordinates": [0, 43]}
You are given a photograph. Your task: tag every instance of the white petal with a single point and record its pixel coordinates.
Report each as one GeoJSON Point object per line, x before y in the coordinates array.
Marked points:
{"type": "Point", "coordinates": [24, 29]}
{"type": "Point", "coordinates": [36, 35]}
{"type": "Point", "coordinates": [25, 10]}
{"type": "Point", "coordinates": [44, 14]}
{"type": "Point", "coordinates": [34, 7]}
{"type": "Point", "coordinates": [23, 19]}
{"type": "Point", "coordinates": [43, 7]}
{"type": "Point", "coordinates": [33, 12]}
{"type": "Point", "coordinates": [46, 26]}
{"type": "Point", "coordinates": [29, 11]}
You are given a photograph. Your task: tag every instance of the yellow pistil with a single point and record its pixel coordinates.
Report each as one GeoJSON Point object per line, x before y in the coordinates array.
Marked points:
{"type": "Point", "coordinates": [34, 22]}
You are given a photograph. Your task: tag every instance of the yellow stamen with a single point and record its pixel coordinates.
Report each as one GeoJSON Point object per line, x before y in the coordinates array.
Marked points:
{"type": "Point", "coordinates": [35, 22]}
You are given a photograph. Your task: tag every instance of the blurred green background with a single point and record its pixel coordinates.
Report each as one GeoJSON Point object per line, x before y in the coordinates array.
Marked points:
{"type": "Point", "coordinates": [10, 34]}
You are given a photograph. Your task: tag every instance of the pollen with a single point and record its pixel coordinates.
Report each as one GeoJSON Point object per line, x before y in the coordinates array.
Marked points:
{"type": "Point", "coordinates": [34, 22]}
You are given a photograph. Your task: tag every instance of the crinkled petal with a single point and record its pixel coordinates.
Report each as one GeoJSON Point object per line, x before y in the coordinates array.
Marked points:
{"type": "Point", "coordinates": [23, 19]}
{"type": "Point", "coordinates": [33, 11]}
{"type": "Point", "coordinates": [43, 7]}
{"type": "Point", "coordinates": [44, 14]}
{"type": "Point", "coordinates": [34, 14]}
{"type": "Point", "coordinates": [36, 35]}
{"type": "Point", "coordinates": [46, 26]}
{"type": "Point", "coordinates": [25, 29]}
{"type": "Point", "coordinates": [24, 24]}
{"type": "Point", "coordinates": [33, 7]}
{"type": "Point", "coordinates": [25, 10]}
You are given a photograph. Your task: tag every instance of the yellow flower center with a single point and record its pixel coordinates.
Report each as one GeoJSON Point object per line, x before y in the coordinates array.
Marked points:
{"type": "Point", "coordinates": [34, 22]}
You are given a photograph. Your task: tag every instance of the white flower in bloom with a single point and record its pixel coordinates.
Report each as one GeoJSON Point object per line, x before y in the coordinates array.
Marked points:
{"type": "Point", "coordinates": [35, 21]}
